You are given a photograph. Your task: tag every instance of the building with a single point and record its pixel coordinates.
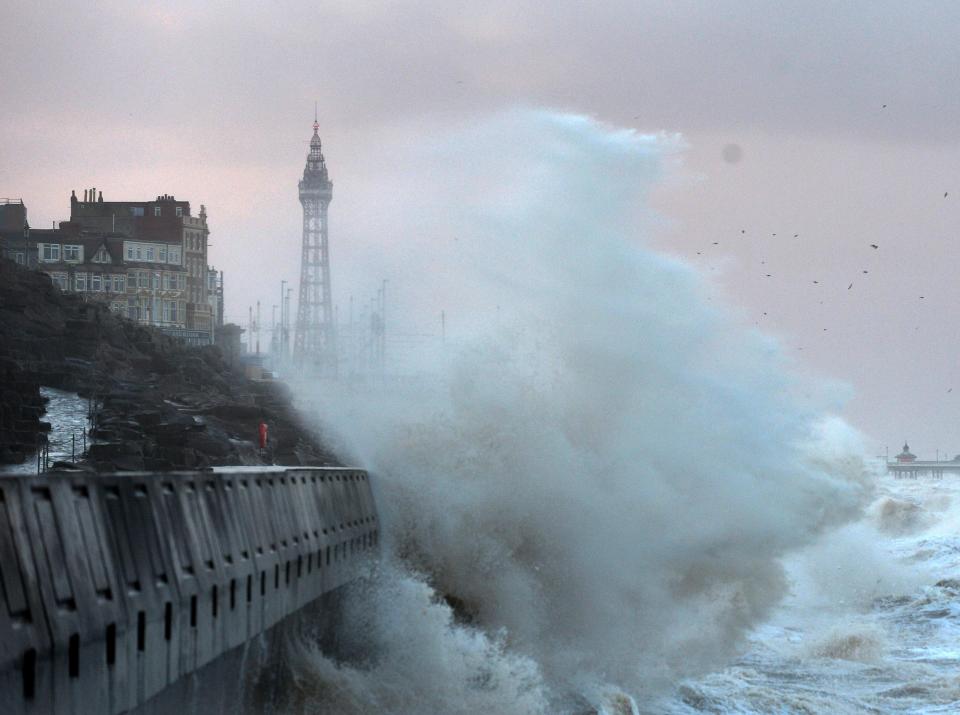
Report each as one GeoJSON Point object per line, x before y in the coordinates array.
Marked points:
{"type": "Point", "coordinates": [144, 281]}
{"type": "Point", "coordinates": [164, 233]}
{"type": "Point", "coordinates": [905, 457]}
{"type": "Point", "coordinates": [215, 297]}
{"type": "Point", "coordinates": [14, 230]}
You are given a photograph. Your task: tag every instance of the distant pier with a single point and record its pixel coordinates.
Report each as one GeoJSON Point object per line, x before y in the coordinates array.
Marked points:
{"type": "Point", "coordinates": [911, 470]}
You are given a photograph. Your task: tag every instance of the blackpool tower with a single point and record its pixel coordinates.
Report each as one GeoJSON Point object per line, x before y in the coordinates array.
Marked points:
{"type": "Point", "coordinates": [314, 347]}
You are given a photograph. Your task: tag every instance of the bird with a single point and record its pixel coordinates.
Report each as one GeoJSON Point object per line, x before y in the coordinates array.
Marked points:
{"type": "Point", "coordinates": [796, 235]}
{"type": "Point", "coordinates": [873, 245]}
{"type": "Point", "coordinates": [866, 271]}
{"type": "Point", "coordinates": [921, 297]}
{"type": "Point", "coordinates": [884, 106]}
{"type": "Point", "coordinates": [945, 194]}
{"type": "Point", "coordinates": [768, 275]}
{"type": "Point", "coordinates": [950, 390]}
{"type": "Point", "coordinates": [774, 234]}
{"type": "Point", "coordinates": [850, 286]}
{"type": "Point", "coordinates": [742, 230]}
{"type": "Point", "coordinates": [716, 243]}
{"type": "Point", "coordinates": [816, 282]}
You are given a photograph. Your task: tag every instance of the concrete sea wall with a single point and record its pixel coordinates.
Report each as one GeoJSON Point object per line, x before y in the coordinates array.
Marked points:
{"type": "Point", "coordinates": [117, 586]}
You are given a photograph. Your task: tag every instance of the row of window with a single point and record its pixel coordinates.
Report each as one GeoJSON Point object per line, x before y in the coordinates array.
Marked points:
{"type": "Point", "coordinates": [151, 252]}
{"type": "Point", "coordinates": [108, 283]}
{"type": "Point", "coordinates": [156, 310]}
{"type": "Point", "coordinates": [68, 253]}
{"type": "Point", "coordinates": [158, 280]}
{"type": "Point", "coordinates": [117, 282]}
{"type": "Point", "coordinates": [157, 211]}
{"type": "Point", "coordinates": [51, 252]}
{"type": "Point", "coordinates": [193, 241]}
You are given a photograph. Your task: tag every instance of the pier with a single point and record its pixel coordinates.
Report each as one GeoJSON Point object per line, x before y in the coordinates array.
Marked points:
{"type": "Point", "coordinates": [914, 469]}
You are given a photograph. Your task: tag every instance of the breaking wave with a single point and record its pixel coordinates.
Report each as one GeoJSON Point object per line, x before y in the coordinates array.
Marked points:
{"type": "Point", "coordinates": [588, 490]}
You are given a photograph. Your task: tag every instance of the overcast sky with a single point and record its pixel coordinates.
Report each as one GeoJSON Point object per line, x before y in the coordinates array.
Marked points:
{"type": "Point", "coordinates": [846, 116]}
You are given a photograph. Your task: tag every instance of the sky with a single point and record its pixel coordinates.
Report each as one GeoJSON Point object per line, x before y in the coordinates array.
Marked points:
{"type": "Point", "coordinates": [831, 125]}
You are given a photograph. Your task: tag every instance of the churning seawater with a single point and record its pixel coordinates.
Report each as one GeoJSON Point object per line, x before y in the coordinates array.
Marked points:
{"type": "Point", "coordinates": [874, 636]}
{"type": "Point", "coordinates": [601, 492]}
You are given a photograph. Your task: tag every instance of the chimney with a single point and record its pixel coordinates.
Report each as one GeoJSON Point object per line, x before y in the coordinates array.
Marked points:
{"type": "Point", "coordinates": [101, 197]}
{"type": "Point", "coordinates": [85, 196]}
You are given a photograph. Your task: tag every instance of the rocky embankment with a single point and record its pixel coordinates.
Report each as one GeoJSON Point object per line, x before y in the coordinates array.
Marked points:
{"type": "Point", "coordinates": [159, 404]}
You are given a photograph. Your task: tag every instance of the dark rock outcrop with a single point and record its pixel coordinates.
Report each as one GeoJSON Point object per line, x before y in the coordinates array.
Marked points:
{"type": "Point", "coordinates": [160, 404]}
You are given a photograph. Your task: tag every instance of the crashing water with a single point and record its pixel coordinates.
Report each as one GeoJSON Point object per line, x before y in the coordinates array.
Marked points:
{"type": "Point", "coordinates": [853, 637]}
{"type": "Point", "coordinates": [68, 416]}
{"type": "Point", "coordinates": [602, 493]}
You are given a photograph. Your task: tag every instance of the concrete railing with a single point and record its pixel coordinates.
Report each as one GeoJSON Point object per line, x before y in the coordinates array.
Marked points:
{"type": "Point", "coordinates": [115, 586]}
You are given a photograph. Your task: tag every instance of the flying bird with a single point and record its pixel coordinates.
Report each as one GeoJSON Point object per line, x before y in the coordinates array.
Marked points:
{"type": "Point", "coordinates": [944, 194]}
{"type": "Point", "coordinates": [866, 271]}
{"type": "Point", "coordinates": [816, 281]}
{"type": "Point", "coordinates": [850, 286]}
{"type": "Point", "coordinates": [873, 245]}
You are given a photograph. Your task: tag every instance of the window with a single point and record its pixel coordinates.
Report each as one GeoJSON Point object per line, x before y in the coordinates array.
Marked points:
{"type": "Point", "coordinates": [144, 279]}
{"type": "Point", "coordinates": [96, 282]}
{"type": "Point", "coordinates": [156, 210]}
{"type": "Point", "coordinates": [50, 251]}
{"type": "Point", "coordinates": [138, 251]}
{"type": "Point", "coordinates": [120, 283]}
{"type": "Point", "coordinates": [163, 254]}
{"type": "Point", "coordinates": [18, 258]}
{"type": "Point", "coordinates": [108, 283]}
{"type": "Point", "coordinates": [129, 251]}
{"type": "Point", "coordinates": [59, 279]}
{"type": "Point", "coordinates": [156, 281]}
{"type": "Point", "coordinates": [101, 256]}
{"type": "Point", "coordinates": [179, 210]}
{"type": "Point", "coordinates": [149, 253]}
{"type": "Point", "coordinates": [136, 211]}
{"type": "Point", "coordinates": [80, 281]}
{"type": "Point", "coordinates": [173, 256]}
{"type": "Point", "coordinates": [71, 253]}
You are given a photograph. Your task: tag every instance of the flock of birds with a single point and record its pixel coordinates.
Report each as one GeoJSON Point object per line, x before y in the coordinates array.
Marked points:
{"type": "Point", "coordinates": [864, 271]}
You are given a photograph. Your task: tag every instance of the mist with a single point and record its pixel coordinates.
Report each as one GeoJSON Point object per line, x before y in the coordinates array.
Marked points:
{"type": "Point", "coordinates": [601, 467]}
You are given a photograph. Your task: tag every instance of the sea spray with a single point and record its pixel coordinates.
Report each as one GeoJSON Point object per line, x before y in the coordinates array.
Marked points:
{"type": "Point", "coordinates": [601, 469]}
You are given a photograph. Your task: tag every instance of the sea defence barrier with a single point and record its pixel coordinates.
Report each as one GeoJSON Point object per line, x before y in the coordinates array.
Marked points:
{"type": "Point", "coordinates": [116, 586]}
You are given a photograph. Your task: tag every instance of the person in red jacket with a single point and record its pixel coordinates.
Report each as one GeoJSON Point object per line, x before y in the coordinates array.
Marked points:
{"type": "Point", "coordinates": [262, 429]}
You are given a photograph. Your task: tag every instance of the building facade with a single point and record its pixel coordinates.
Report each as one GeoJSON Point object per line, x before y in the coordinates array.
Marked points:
{"type": "Point", "coordinates": [141, 280]}
{"type": "Point", "coordinates": [167, 248]}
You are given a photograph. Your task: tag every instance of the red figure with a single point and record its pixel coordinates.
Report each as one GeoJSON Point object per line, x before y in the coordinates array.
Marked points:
{"type": "Point", "coordinates": [263, 435]}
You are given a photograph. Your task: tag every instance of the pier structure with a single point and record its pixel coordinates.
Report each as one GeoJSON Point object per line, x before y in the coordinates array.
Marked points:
{"type": "Point", "coordinates": [121, 590]}
{"type": "Point", "coordinates": [916, 468]}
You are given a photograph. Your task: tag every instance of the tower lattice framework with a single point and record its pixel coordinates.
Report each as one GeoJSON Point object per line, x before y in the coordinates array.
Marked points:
{"type": "Point", "coordinates": [314, 346]}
